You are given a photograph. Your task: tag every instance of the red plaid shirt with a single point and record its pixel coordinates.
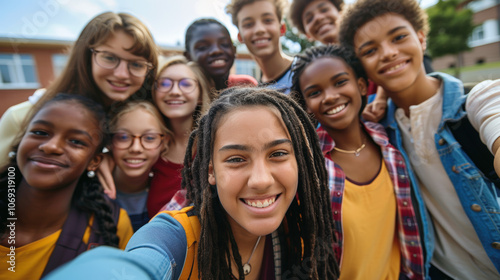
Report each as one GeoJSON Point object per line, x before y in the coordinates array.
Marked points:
{"type": "Point", "coordinates": [409, 238]}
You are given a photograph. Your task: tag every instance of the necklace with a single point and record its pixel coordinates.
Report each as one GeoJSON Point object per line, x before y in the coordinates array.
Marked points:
{"type": "Point", "coordinates": [355, 152]}
{"type": "Point", "coordinates": [247, 267]}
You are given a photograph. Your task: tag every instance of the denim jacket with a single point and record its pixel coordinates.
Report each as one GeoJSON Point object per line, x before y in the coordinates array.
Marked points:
{"type": "Point", "coordinates": [477, 194]}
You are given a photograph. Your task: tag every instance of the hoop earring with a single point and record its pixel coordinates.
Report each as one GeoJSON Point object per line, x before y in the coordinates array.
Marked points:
{"type": "Point", "coordinates": [91, 174]}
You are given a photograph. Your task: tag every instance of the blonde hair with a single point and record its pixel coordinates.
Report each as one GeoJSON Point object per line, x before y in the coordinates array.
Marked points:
{"type": "Point", "coordinates": [206, 95]}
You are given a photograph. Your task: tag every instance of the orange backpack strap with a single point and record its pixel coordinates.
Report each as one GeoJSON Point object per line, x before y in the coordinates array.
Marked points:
{"type": "Point", "coordinates": [191, 224]}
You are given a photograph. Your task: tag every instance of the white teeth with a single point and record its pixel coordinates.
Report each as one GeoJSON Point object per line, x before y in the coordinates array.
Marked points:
{"type": "Point", "coordinates": [396, 67]}
{"type": "Point", "coordinates": [134, 161]}
{"type": "Point", "coordinates": [218, 62]}
{"type": "Point", "coordinates": [175, 102]}
{"type": "Point", "coordinates": [261, 204]}
{"type": "Point", "coordinates": [118, 84]}
{"type": "Point", "coordinates": [336, 110]}
{"type": "Point", "coordinates": [261, 41]}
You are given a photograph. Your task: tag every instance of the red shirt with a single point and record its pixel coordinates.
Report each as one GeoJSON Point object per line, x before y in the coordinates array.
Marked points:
{"type": "Point", "coordinates": [164, 184]}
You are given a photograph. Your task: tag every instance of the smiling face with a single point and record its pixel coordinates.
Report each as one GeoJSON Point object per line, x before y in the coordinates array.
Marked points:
{"type": "Point", "coordinates": [117, 84]}
{"type": "Point", "coordinates": [320, 21]}
{"type": "Point", "coordinates": [332, 93]}
{"type": "Point", "coordinates": [176, 104]}
{"type": "Point", "coordinates": [391, 52]}
{"type": "Point", "coordinates": [260, 29]}
{"type": "Point", "coordinates": [211, 47]}
{"type": "Point", "coordinates": [254, 169]}
{"type": "Point", "coordinates": [136, 161]}
{"type": "Point", "coordinates": [60, 142]}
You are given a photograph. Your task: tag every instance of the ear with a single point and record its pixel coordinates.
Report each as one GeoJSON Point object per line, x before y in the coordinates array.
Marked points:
{"type": "Point", "coordinates": [283, 29]}
{"type": "Point", "coordinates": [211, 174]}
{"type": "Point", "coordinates": [95, 162]}
{"type": "Point", "coordinates": [422, 39]}
{"type": "Point", "coordinates": [363, 87]}
{"type": "Point", "coordinates": [187, 55]}
{"type": "Point", "coordinates": [240, 38]}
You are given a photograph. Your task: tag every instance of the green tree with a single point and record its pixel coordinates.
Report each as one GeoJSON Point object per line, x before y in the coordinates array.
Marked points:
{"type": "Point", "coordinates": [450, 28]}
{"type": "Point", "coordinates": [295, 39]}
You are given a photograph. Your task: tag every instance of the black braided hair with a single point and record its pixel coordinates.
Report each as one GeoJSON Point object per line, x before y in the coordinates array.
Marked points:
{"type": "Point", "coordinates": [88, 196]}
{"type": "Point", "coordinates": [312, 54]}
{"type": "Point", "coordinates": [308, 221]}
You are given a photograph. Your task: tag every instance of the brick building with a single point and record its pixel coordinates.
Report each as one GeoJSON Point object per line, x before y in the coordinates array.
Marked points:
{"type": "Point", "coordinates": [485, 39]}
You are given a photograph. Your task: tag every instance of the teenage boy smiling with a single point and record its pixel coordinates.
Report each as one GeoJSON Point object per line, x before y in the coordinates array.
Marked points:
{"type": "Point", "coordinates": [260, 28]}
{"type": "Point", "coordinates": [389, 37]}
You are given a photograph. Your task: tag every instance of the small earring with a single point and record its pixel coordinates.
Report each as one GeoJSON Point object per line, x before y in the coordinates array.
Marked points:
{"type": "Point", "coordinates": [151, 174]}
{"type": "Point", "coordinates": [12, 154]}
{"type": "Point", "coordinates": [91, 174]}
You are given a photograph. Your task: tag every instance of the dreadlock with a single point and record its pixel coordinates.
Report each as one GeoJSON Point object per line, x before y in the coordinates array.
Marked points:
{"type": "Point", "coordinates": [311, 54]}
{"type": "Point", "coordinates": [88, 196]}
{"type": "Point", "coordinates": [309, 221]}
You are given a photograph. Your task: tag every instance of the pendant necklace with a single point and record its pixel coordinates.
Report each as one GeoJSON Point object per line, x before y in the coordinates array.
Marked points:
{"type": "Point", "coordinates": [247, 267]}
{"type": "Point", "coordinates": [355, 152]}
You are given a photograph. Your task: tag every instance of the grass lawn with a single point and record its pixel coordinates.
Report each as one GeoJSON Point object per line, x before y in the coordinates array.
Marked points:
{"type": "Point", "coordinates": [484, 66]}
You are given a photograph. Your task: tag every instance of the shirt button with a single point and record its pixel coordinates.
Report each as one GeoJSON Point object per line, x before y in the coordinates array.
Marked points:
{"type": "Point", "coordinates": [455, 169]}
{"type": "Point", "coordinates": [476, 208]}
{"type": "Point", "coordinates": [496, 245]}
{"type": "Point", "coordinates": [405, 203]}
{"type": "Point", "coordinates": [338, 193]}
{"type": "Point", "coordinates": [335, 212]}
{"type": "Point", "coordinates": [402, 177]}
{"type": "Point", "coordinates": [414, 255]}
{"type": "Point", "coordinates": [441, 142]}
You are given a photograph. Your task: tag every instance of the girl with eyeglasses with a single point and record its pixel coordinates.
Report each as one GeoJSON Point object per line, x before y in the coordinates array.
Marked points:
{"type": "Point", "coordinates": [137, 140]}
{"type": "Point", "coordinates": [113, 59]}
{"type": "Point", "coordinates": [181, 94]}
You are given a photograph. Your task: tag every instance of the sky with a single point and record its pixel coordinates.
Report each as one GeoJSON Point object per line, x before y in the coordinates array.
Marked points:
{"type": "Point", "coordinates": [64, 19]}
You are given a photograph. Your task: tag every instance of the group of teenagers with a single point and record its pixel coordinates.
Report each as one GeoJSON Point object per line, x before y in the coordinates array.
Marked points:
{"type": "Point", "coordinates": [192, 172]}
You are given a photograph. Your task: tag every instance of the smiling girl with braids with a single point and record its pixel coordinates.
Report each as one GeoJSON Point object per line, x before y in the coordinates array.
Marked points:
{"type": "Point", "coordinates": [375, 220]}
{"type": "Point", "coordinates": [261, 210]}
{"type": "Point", "coordinates": [54, 193]}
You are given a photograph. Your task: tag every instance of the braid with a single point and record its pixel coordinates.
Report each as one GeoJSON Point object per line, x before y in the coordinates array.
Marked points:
{"type": "Point", "coordinates": [89, 197]}
{"type": "Point", "coordinates": [308, 221]}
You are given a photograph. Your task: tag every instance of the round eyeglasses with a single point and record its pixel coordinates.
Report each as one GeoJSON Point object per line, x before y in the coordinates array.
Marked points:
{"type": "Point", "coordinates": [186, 85]}
{"type": "Point", "coordinates": [109, 60]}
{"type": "Point", "coordinates": [149, 141]}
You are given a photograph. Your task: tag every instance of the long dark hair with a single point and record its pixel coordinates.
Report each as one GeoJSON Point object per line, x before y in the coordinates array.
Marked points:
{"type": "Point", "coordinates": [308, 233]}
{"type": "Point", "coordinates": [88, 196]}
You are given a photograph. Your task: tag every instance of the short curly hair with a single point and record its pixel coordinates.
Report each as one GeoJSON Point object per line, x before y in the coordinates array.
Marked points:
{"type": "Point", "coordinates": [363, 11]}
{"type": "Point", "coordinates": [235, 7]}
{"type": "Point", "coordinates": [297, 9]}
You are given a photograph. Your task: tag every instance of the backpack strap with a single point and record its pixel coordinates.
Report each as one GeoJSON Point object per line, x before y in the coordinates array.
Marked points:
{"type": "Point", "coordinates": [191, 224]}
{"type": "Point", "coordinates": [69, 244]}
{"type": "Point", "coordinates": [471, 143]}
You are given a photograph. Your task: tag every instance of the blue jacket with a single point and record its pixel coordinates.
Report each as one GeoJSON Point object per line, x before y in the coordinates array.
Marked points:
{"type": "Point", "coordinates": [477, 194]}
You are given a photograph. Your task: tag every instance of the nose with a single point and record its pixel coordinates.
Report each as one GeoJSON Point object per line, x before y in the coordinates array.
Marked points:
{"type": "Point", "coordinates": [52, 146]}
{"type": "Point", "coordinates": [389, 51]}
{"type": "Point", "coordinates": [261, 176]}
{"type": "Point", "coordinates": [259, 27]}
{"type": "Point", "coordinates": [331, 94]}
{"type": "Point", "coordinates": [215, 50]}
{"type": "Point", "coordinates": [175, 90]}
{"type": "Point", "coordinates": [136, 145]}
{"type": "Point", "coordinates": [121, 71]}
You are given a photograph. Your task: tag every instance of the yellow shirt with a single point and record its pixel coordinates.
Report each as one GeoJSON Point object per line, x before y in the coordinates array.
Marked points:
{"type": "Point", "coordinates": [371, 246]}
{"type": "Point", "coordinates": [31, 259]}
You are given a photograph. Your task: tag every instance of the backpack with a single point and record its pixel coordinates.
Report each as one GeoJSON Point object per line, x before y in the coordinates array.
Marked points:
{"type": "Point", "coordinates": [191, 224]}
{"type": "Point", "coordinates": [468, 137]}
{"type": "Point", "coordinates": [70, 242]}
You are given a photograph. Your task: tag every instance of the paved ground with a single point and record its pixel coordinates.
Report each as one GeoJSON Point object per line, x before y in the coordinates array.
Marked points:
{"type": "Point", "coordinates": [480, 75]}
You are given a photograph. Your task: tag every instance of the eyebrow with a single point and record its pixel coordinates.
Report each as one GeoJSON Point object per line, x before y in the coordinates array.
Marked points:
{"type": "Point", "coordinates": [332, 78]}
{"type": "Point", "coordinates": [392, 31]}
{"type": "Point", "coordinates": [77, 131]}
{"type": "Point", "coordinates": [247, 148]}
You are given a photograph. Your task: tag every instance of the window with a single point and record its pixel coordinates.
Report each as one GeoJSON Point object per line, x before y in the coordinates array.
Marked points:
{"type": "Point", "coordinates": [248, 67]}
{"type": "Point", "coordinates": [58, 62]}
{"type": "Point", "coordinates": [17, 71]}
{"type": "Point", "coordinates": [477, 34]}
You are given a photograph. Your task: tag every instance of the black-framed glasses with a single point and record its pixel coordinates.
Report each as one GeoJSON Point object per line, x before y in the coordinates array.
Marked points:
{"type": "Point", "coordinates": [110, 60]}
{"type": "Point", "coordinates": [124, 140]}
{"type": "Point", "coordinates": [186, 85]}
